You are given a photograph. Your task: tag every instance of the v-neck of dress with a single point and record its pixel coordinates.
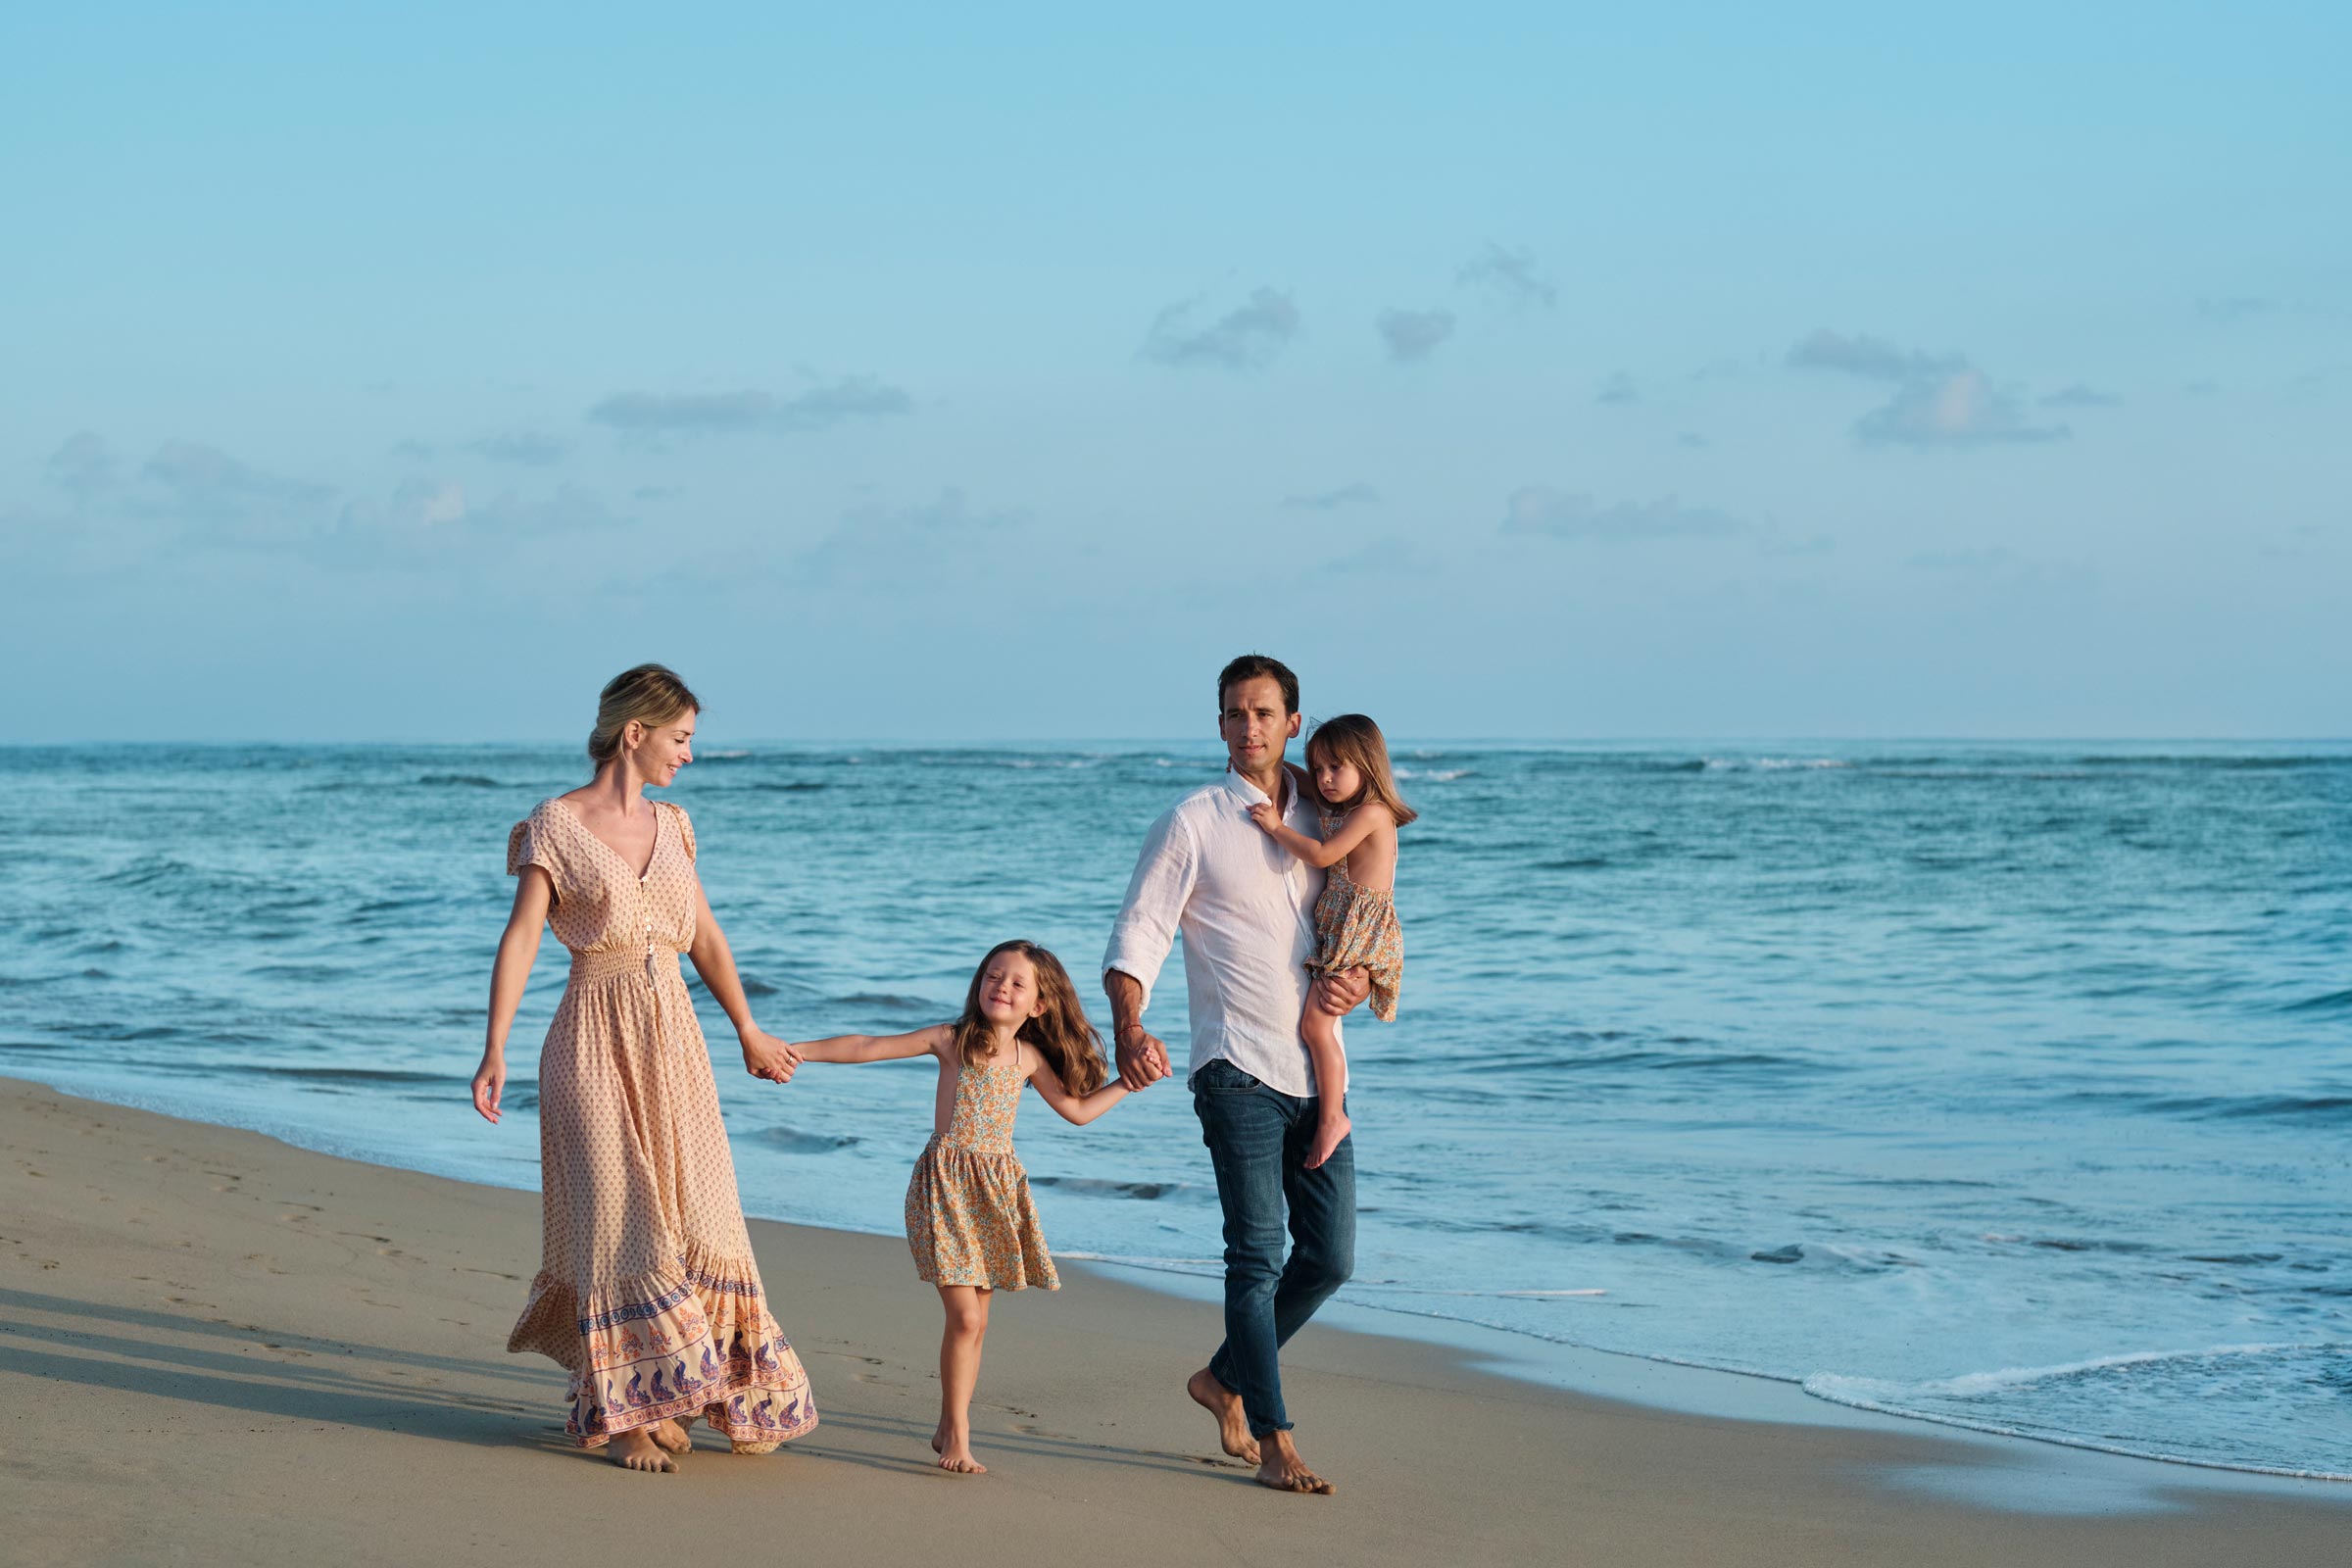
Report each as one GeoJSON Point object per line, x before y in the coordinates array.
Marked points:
{"type": "Point", "coordinates": [618, 858]}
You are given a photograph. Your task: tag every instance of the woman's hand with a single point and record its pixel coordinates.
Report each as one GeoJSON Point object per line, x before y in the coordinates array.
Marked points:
{"type": "Point", "coordinates": [489, 1082]}
{"type": "Point", "coordinates": [767, 1057]}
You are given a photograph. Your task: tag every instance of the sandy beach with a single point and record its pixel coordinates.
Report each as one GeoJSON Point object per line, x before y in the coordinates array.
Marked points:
{"type": "Point", "coordinates": [215, 1348]}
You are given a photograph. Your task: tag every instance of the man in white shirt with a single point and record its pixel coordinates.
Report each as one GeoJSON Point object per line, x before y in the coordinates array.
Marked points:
{"type": "Point", "coordinates": [1245, 906]}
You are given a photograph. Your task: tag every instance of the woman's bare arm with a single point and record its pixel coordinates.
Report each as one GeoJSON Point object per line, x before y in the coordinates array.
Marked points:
{"type": "Point", "coordinates": [518, 950]}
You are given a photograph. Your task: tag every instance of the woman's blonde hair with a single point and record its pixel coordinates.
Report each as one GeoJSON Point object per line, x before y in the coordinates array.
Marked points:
{"type": "Point", "coordinates": [651, 695]}
{"type": "Point", "coordinates": [1357, 741]}
{"type": "Point", "coordinates": [1061, 1032]}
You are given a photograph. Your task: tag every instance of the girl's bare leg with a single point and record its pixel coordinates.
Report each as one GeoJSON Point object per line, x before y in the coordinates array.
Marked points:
{"type": "Point", "coordinates": [1321, 1032]}
{"type": "Point", "coordinates": [966, 1307]}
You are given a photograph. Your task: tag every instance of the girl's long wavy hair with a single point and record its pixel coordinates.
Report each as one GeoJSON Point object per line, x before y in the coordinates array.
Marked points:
{"type": "Point", "coordinates": [1355, 740]}
{"type": "Point", "coordinates": [1060, 1033]}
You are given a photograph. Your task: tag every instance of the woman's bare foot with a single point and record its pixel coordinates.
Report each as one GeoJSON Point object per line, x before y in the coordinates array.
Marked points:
{"type": "Point", "coordinates": [637, 1452]}
{"type": "Point", "coordinates": [1233, 1428]}
{"type": "Point", "coordinates": [938, 1438]}
{"type": "Point", "coordinates": [670, 1435]}
{"type": "Point", "coordinates": [956, 1452]}
{"type": "Point", "coordinates": [1285, 1470]}
{"type": "Point", "coordinates": [1328, 1132]}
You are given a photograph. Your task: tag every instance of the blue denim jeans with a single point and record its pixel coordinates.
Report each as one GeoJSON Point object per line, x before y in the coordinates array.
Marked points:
{"type": "Point", "coordinates": [1258, 1139]}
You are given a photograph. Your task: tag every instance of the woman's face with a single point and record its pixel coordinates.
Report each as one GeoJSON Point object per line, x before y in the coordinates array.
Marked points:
{"type": "Point", "coordinates": [662, 750]}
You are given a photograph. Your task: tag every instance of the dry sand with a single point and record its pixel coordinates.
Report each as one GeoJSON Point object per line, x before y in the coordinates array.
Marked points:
{"type": "Point", "coordinates": [218, 1349]}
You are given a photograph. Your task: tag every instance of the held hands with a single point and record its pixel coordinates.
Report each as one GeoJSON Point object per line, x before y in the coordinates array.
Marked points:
{"type": "Point", "coordinates": [1342, 991]}
{"type": "Point", "coordinates": [767, 1057]}
{"type": "Point", "coordinates": [489, 1082]}
{"type": "Point", "coordinates": [1142, 1059]}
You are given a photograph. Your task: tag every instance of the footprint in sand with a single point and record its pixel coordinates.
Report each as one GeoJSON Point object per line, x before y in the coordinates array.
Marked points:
{"type": "Point", "coordinates": [1041, 1432]}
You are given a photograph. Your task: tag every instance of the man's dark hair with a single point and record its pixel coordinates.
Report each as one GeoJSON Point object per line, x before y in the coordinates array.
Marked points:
{"type": "Point", "coordinates": [1249, 666]}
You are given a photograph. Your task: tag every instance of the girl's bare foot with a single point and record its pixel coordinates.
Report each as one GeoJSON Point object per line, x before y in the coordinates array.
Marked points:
{"type": "Point", "coordinates": [1233, 1428]}
{"type": "Point", "coordinates": [1328, 1133]}
{"type": "Point", "coordinates": [670, 1435]}
{"type": "Point", "coordinates": [637, 1452]}
{"type": "Point", "coordinates": [1285, 1470]}
{"type": "Point", "coordinates": [956, 1452]}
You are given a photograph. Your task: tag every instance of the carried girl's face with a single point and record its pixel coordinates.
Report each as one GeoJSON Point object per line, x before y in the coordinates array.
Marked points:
{"type": "Point", "coordinates": [1334, 781]}
{"type": "Point", "coordinates": [1008, 990]}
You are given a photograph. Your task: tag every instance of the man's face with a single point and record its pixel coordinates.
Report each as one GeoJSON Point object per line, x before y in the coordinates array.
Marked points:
{"type": "Point", "coordinates": [1254, 725]}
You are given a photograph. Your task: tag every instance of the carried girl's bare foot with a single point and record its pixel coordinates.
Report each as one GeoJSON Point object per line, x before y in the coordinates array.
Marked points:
{"type": "Point", "coordinates": [1285, 1470]}
{"type": "Point", "coordinates": [670, 1435]}
{"type": "Point", "coordinates": [638, 1451]}
{"type": "Point", "coordinates": [1233, 1427]}
{"type": "Point", "coordinates": [1328, 1133]}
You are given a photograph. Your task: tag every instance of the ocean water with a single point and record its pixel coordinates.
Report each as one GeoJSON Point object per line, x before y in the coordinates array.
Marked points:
{"type": "Point", "coordinates": [2002, 1086]}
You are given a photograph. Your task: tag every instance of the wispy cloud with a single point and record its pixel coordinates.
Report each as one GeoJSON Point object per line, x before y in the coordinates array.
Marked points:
{"type": "Point", "coordinates": [2080, 396]}
{"type": "Point", "coordinates": [1347, 495]}
{"type": "Point", "coordinates": [1618, 388]}
{"type": "Point", "coordinates": [2230, 308]}
{"type": "Point", "coordinates": [530, 448]}
{"type": "Point", "coordinates": [1938, 399]}
{"type": "Point", "coordinates": [1411, 336]}
{"type": "Point", "coordinates": [207, 478]}
{"type": "Point", "coordinates": [884, 544]}
{"type": "Point", "coordinates": [1575, 514]}
{"type": "Point", "coordinates": [1866, 355]}
{"type": "Point", "coordinates": [83, 465]}
{"type": "Point", "coordinates": [1244, 339]}
{"type": "Point", "coordinates": [827, 404]}
{"type": "Point", "coordinates": [1511, 274]}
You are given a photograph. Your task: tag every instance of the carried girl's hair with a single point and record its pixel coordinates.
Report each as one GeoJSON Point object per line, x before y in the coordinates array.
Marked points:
{"type": "Point", "coordinates": [651, 695]}
{"type": "Point", "coordinates": [1357, 741]}
{"type": "Point", "coordinates": [1059, 1033]}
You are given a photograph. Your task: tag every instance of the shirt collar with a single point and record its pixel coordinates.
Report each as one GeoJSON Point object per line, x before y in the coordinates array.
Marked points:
{"type": "Point", "coordinates": [1249, 793]}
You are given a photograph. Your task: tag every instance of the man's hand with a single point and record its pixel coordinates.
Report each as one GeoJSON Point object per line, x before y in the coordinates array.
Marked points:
{"type": "Point", "coordinates": [1142, 1059]}
{"type": "Point", "coordinates": [1342, 990]}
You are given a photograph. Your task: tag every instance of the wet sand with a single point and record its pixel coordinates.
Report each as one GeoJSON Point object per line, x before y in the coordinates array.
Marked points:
{"type": "Point", "coordinates": [215, 1348]}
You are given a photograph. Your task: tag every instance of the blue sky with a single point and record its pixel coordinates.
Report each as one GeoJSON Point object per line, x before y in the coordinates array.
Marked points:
{"type": "Point", "coordinates": [403, 372]}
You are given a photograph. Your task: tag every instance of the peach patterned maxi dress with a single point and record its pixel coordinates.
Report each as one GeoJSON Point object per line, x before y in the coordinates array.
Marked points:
{"type": "Point", "coordinates": [646, 1291]}
{"type": "Point", "coordinates": [969, 1216]}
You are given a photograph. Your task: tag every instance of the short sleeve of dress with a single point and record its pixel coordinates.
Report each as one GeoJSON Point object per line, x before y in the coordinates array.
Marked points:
{"type": "Point", "coordinates": [528, 844]}
{"type": "Point", "coordinates": [685, 827]}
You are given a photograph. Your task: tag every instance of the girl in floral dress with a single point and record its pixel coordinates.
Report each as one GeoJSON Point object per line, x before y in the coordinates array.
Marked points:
{"type": "Point", "coordinates": [1356, 919]}
{"type": "Point", "coordinates": [970, 1222]}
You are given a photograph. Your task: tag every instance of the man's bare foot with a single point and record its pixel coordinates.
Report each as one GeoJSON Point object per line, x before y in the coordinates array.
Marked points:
{"type": "Point", "coordinates": [638, 1451]}
{"type": "Point", "coordinates": [1233, 1428]}
{"type": "Point", "coordinates": [1328, 1133]}
{"type": "Point", "coordinates": [1285, 1470]}
{"type": "Point", "coordinates": [956, 1452]}
{"type": "Point", "coordinates": [670, 1435]}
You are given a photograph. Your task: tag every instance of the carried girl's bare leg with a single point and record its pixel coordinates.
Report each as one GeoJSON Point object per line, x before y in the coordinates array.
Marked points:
{"type": "Point", "coordinates": [1321, 1032]}
{"type": "Point", "coordinates": [966, 1307]}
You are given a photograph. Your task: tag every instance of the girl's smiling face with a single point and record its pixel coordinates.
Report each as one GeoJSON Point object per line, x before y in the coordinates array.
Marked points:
{"type": "Point", "coordinates": [1334, 781]}
{"type": "Point", "coordinates": [1009, 995]}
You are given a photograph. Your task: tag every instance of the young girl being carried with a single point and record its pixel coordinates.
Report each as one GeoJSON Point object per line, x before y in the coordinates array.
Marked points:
{"type": "Point", "coordinates": [969, 1219]}
{"type": "Point", "coordinates": [1356, 919]}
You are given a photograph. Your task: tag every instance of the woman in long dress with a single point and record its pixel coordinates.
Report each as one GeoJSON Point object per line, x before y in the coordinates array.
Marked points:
{"type": "Point", "coordinates": [647, 1293]}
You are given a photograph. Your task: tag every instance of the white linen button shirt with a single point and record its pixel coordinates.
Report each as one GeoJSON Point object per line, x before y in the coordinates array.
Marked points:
{"type": "Point", "coordinates": [1245, 908]}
